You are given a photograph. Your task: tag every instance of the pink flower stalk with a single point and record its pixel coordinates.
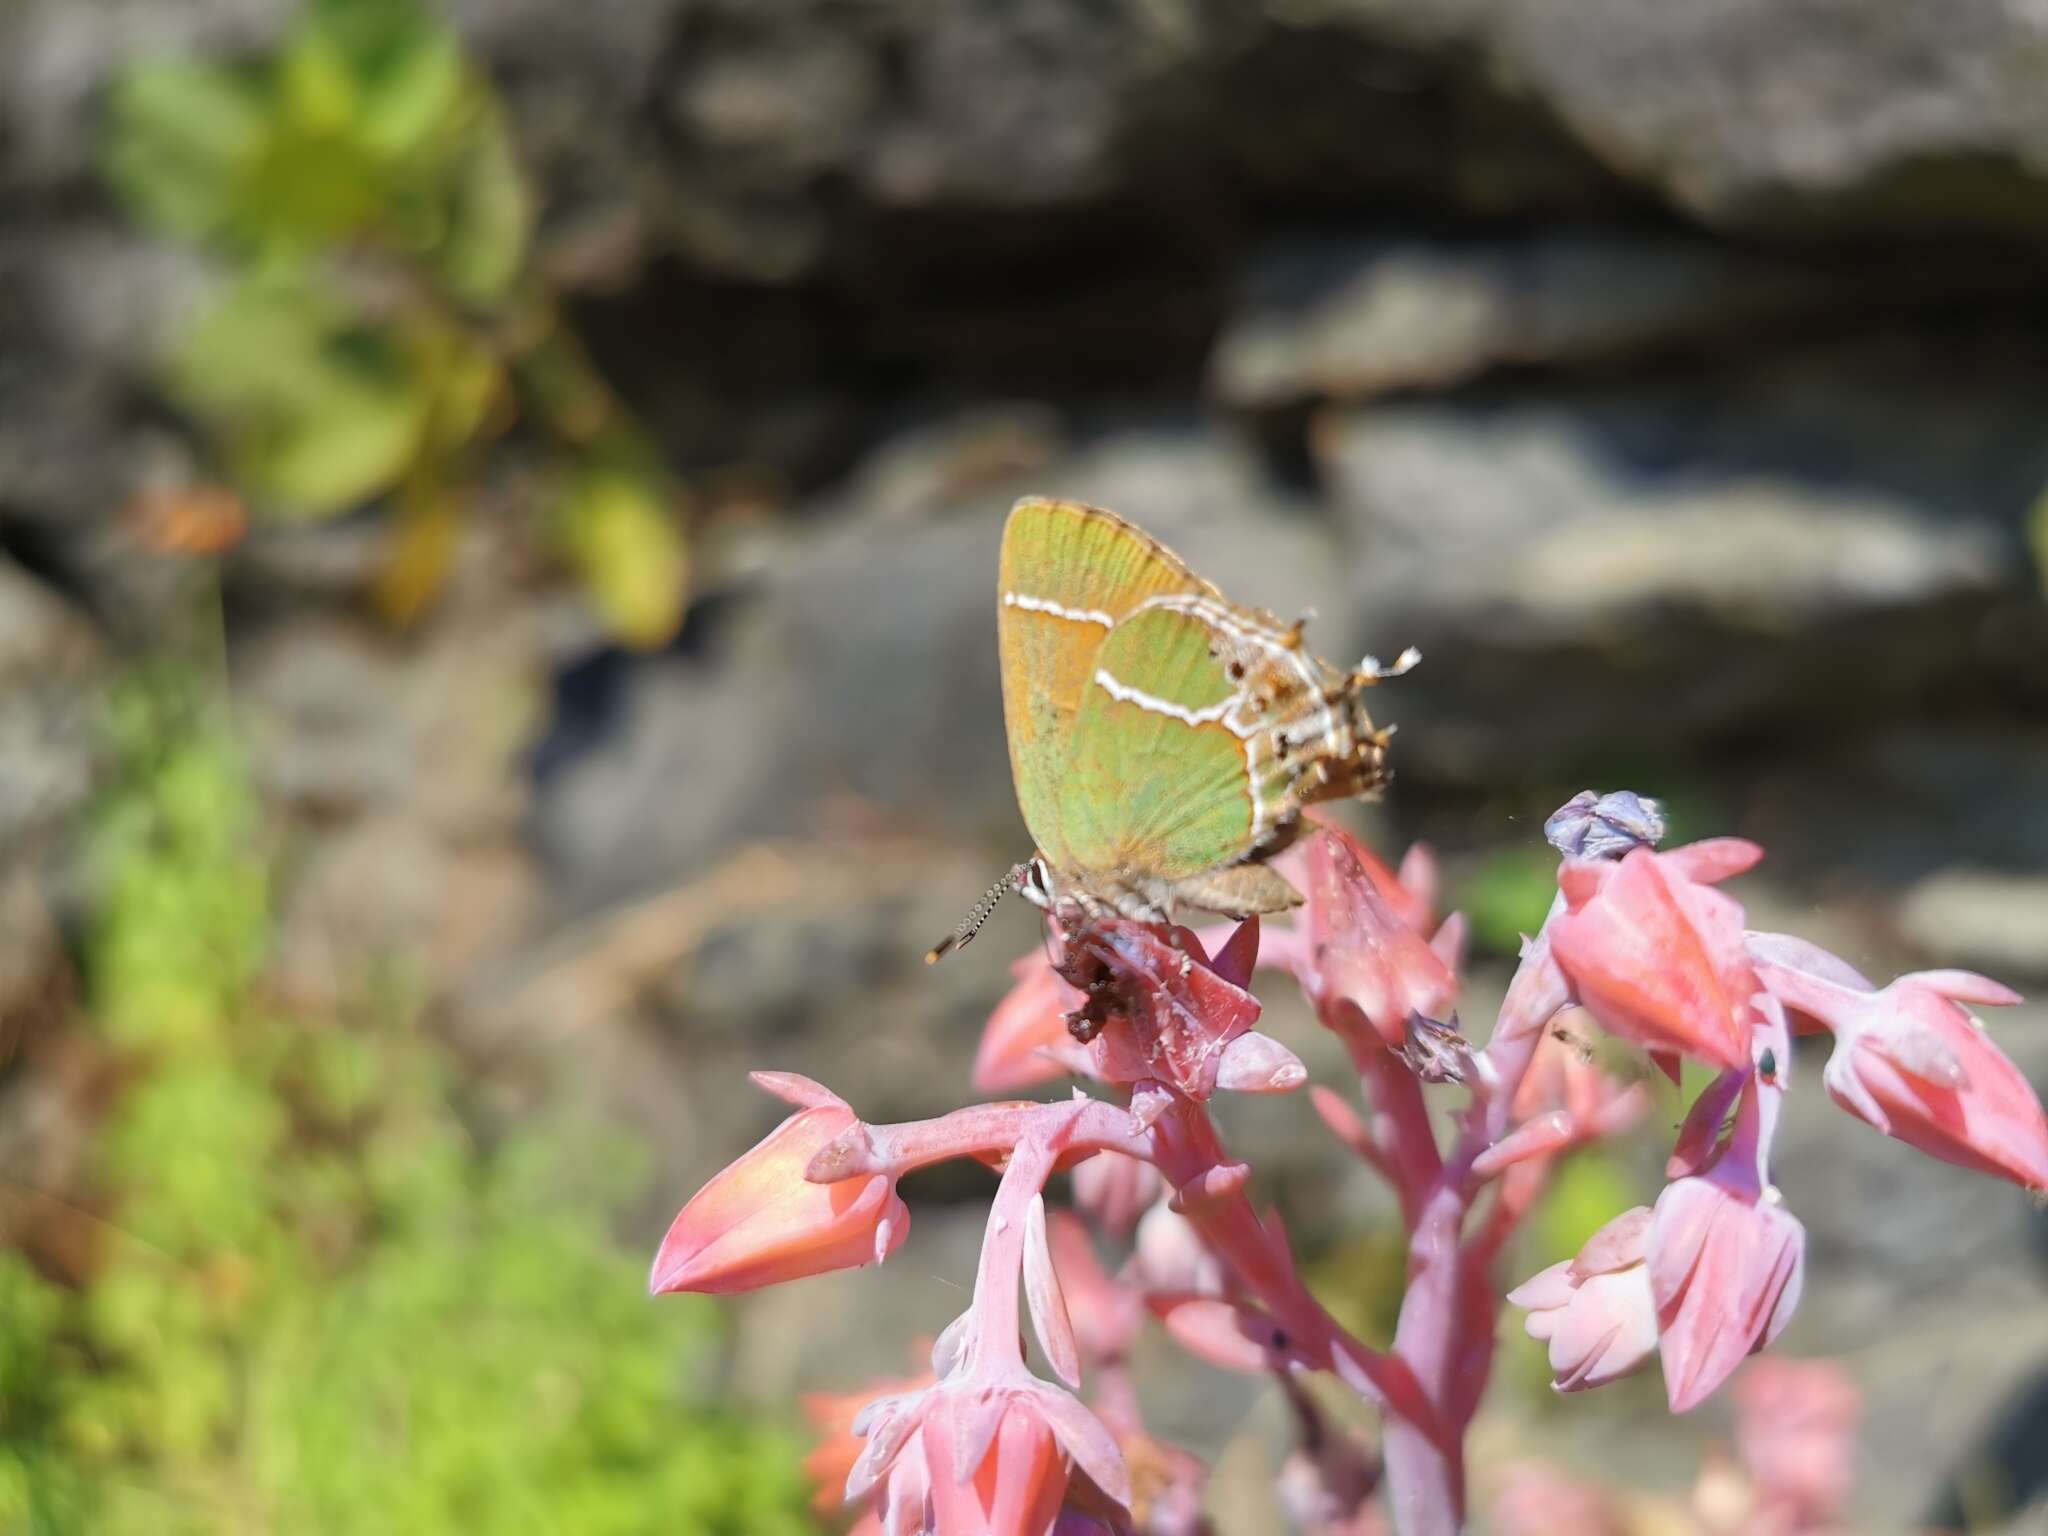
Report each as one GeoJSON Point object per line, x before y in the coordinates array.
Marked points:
{"type": "Point", "coordinates": [1364, 961]}
{"type": "Point", "coordinates": [1595, 1311]}
{"type": "Point", "coordinates": [996, 1448]}
{"type": "Point", "coordinates": [760, 1221]}
{"type": "Point", "coordinates": [1912, 1062]}
{"type": "Point", "coordinates": [1655, 953]}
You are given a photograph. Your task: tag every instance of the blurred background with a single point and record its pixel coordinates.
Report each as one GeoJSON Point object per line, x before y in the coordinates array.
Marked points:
{"type": "Point", "coordinates": [498, 516]}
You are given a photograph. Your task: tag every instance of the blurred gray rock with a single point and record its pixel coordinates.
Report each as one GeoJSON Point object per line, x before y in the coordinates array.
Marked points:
{"type": "Point", "coordinates": [1776, 546]}
{"type": "Point", "coordinates": [57, 57]}
{"type": "Point", "coordinates": [1799, 115]}
{"type": "Point", "coordinates": [1342, 319]}
{"type": "Point", "coordinates": [1985, 919]}
{"type": "Point", "coordinates": [51, 658]}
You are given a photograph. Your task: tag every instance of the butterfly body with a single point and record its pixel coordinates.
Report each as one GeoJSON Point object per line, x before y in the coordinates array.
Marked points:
{"type": "Point", "coordinates": [1164, 740]}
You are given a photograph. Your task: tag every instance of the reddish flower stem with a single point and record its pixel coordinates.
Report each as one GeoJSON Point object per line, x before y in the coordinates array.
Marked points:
{"type": "Point", "coordinates": [1190, 1155]}
{"type": "Point", "coordinates": [996, 1278]}
{"type": "Point", "coordinates": [1445, 1331]}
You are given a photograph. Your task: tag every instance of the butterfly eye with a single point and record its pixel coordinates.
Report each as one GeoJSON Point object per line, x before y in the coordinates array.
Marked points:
{"type": "Point", "coordinates": [1236, 671]}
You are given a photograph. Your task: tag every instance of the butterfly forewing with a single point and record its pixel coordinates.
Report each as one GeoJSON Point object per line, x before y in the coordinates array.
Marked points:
{"type": "Point", "coordinates": [1069, 574]}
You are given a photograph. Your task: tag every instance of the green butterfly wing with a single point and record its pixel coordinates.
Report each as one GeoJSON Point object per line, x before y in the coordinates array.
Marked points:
{"type": "Point", "coordinates": [1069, 574]}
{"type": "Point", "coordinates": [1157, 775]}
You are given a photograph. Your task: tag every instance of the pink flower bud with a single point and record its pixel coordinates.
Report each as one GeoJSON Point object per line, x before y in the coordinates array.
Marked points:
{"type": "Point", "coordinates": [1256, 1063]}
{"type": "Point", "coordinates": [1227, 1336]}
{"type": "Point", "coordinates": [760, 1221]}
{"type": "Point", "coordinates": [1909, 1060]}
{"type": "Point", "coordinates": [1655, 955]}
{"type": "Point", "coordinates": [1363, 960]}
{"type": "Point", "coordinates": [1171, 1255]}
{"type": "Point", "coordinates": [1595, 1311]}
{"type": "Point", "coordinates": [1115, 1190]}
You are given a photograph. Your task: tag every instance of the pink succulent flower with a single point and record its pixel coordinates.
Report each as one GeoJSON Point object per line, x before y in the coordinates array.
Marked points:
{"type": "Point", "coordinates": [1911, 1061]}
{"type": "Point", "coordinates": [760, 1222]}
{"type": "Point", "coordinates": [1171, 1255]}
{"type": "Point", "coordinates": [1795, 1430]}
{"type": "Point", "coordinates": [1115, 1190]}
{"type": "Point", "coordinates": [1162, 1010]}
{"type": "Point", "coordinates": [1726, 1265]}
{"type": "Point", "coordinates": [1026, 1041]}
{"type": "Point", "coordinates": [1364, 961]}
{"type": "Point", "coordinates": [832, 1414]}
{"type": "Point", "coordinates": [996, 1449]}
{"type": "Point", "coordinates": [1565, 1075]}
{"type": "Point", "coordinates": [1655, 953]}
{"type": "Point", "coordinates": [1537, 1500]}
{"type": "Point", "coordinates": [1595, 1311]}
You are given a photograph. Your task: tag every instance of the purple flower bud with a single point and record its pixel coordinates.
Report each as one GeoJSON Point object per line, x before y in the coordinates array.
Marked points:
{"type": "Point", "coordinates": [1590, 826]}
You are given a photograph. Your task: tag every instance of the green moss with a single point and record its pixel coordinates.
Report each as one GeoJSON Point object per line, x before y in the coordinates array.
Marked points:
{"type": "Point", "coordinates": [324, 1304]}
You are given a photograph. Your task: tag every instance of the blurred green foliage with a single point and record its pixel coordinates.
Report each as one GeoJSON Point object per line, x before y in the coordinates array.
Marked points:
{"type": "Point", "coordinates": [324, 1300]}
{"type": "Point", "coordinates": [2037, 538]}
{"type": "Point", "coordinates": [1507, 895]}
{"type": "Point", "coordinates": [1361, 1280]}
{"type": "Point", "coordinates": [380, 319]}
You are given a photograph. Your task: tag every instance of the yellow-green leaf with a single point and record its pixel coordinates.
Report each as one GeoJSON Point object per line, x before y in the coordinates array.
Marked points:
{"type": "Point", "coordinates": [316, 413]}
{"type": "Point", "coordinates": [490, 215]}
{"type": "Point", "coordinates": [624, 542]}
{"type": "Point", "coordinates": [182, 138]}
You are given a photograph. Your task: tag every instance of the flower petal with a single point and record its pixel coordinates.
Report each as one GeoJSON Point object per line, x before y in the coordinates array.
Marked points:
{"type": "Point", "coordinates": [1047, 1303]}
{"type": "Point", "coordinates": [1085, 1439]}
{"type": "Point", "coordinates": [1256, 1063]}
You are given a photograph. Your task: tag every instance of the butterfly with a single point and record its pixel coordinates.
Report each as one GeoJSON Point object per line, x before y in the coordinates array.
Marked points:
{"type": "Point", "coordinates": [1163, 739]}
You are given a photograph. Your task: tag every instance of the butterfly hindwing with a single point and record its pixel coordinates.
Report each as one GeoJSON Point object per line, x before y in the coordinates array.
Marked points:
{"type": "Point", "coordinates": [1156, 763]}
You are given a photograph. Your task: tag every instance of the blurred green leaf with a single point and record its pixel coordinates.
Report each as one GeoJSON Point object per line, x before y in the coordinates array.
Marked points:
{"type": "Point", "coordinates": [628, 549]}
{"type": "Point", "coordinates": [1586, 1193]}
{"type": "Point", "coordinates": [317, 413]}
{"type": "Point", "coordinates": [1362, 1280]}
{"type": "Point", "coordinates": [183, 141]}
{"type": "Point", "coordinates": [317, 91]}
{"type": "Point", "coordinates": [491, 215]}
{"type": "Point", "coordinates": [417, 94]}
{"type": "Point", "coordinates": [1508, 895]}
{"type": "Point", "coordinates": [2037, 538]}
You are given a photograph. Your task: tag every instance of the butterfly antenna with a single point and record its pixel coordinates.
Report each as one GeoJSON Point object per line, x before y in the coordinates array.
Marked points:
{"type": "Point", "coordinates": [970, 925]}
